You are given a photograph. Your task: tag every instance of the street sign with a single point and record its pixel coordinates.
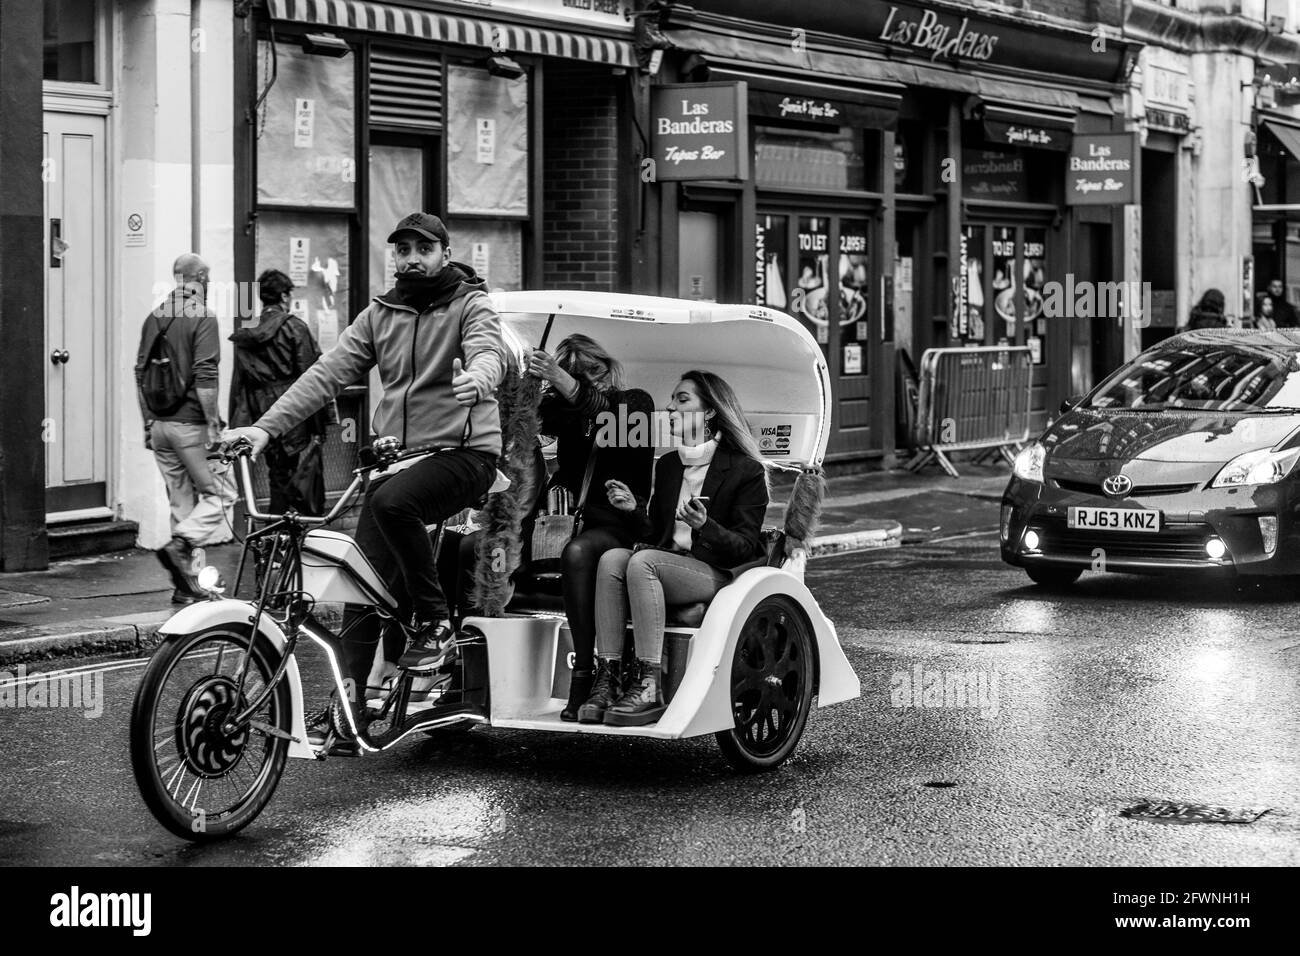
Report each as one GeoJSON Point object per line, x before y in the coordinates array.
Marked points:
{"type": "Point", "coordinates": [700, 131]}
{"type": "Point", "coordinates": [1100, 170]}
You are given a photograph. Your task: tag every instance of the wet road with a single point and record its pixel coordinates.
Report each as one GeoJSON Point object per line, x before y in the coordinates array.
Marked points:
{"type": "Point", "coordinates": [1124, 690]}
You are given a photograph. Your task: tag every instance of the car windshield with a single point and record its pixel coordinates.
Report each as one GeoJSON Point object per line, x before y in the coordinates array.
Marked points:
{"type": "Point", "coordinates": [1222, 377]}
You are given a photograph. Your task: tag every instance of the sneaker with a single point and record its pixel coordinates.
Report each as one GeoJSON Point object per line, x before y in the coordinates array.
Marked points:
{"type": "Point", "coordinates": [329, 729]}
{"type": "Point", "coordinates": [433, 645]}
{"type": "Point", "coordinates": [604, 691]}
{"type": "Point", "coordinates": [640, 703]}
{"type": "Point", "coordinates": [180, 596]}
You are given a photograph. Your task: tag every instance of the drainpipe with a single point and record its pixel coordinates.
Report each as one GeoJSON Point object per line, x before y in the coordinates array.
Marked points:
{"type": "Point", "coordinates": [196, 133]}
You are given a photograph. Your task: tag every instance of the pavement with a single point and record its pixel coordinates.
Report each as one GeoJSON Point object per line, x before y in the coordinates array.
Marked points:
{"type": "Point", "coordinates": [116, 602]}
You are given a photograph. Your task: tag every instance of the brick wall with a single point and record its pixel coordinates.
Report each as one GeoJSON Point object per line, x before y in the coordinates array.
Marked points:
{"type": "Point", "coordinates": [580, 231]}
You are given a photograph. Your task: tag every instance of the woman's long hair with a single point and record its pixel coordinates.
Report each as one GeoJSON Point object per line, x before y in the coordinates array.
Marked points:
{"type": "Point", "coordinates": [729, 421]}
{"type": "Point", "coordinates": [580, 354]}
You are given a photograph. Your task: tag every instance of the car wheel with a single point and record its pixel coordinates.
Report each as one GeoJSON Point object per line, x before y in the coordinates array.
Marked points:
{"type": "Point", "coordinates": [771, 686]}
{"type": "Point", "coordinates": [1054, 578]}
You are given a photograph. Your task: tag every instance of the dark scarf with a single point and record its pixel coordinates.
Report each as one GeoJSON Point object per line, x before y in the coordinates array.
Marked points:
{"type": "Point", "coordinates": [421, 292]}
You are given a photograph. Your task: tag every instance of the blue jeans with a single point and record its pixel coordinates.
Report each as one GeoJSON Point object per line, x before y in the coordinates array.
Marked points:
{"type": "Point", "coordinates": [642, 585]}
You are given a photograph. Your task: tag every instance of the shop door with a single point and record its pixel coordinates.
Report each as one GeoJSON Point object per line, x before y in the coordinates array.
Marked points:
{"type": "Point", "coordinates": [820, 269]}
{"type": "Point", "coordinates": [77, 389]}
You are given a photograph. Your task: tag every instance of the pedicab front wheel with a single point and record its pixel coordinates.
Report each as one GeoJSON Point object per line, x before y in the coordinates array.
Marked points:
{"type": "Point", "coordinates": [201, 779]}
{"type": "Point", "coordinates": [771, 686]}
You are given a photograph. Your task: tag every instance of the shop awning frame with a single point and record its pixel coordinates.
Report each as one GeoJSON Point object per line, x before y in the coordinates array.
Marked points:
{"type": "Point", "coordinates": [1288, 136]}
{"type": "Point", "coordinates": [392, 20]}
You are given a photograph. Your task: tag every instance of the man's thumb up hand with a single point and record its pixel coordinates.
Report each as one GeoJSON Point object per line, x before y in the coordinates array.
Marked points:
{"type": "Point", "coordinates": [462, 384]}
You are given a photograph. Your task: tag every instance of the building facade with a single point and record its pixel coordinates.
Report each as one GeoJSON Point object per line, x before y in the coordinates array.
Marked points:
{"type": "Point", "coordinates": [899, 175]}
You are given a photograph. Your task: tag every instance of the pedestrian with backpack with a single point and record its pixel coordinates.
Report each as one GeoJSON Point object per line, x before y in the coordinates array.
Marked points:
{"type": "Point", "coordinates": [176, 383]}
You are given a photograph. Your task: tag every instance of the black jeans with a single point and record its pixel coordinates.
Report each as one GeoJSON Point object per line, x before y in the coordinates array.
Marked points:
{"type": "Point", "coordinates": [579, 560]}
{"type": "Point", "coordinates": [391, 532]}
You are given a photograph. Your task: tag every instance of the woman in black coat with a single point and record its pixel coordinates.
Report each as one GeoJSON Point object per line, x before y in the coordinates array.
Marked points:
{"type": "Point", "coordinates": [702, 527]}
{"type": "Point", "coordinates": [601, 426]}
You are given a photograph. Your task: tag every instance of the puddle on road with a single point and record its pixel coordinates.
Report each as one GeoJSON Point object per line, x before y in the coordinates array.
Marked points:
{"type": "Point", "coordinates": [1170, 812]}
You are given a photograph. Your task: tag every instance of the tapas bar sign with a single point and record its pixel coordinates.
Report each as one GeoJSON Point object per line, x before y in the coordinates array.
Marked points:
{"type": "Point", "coordinates": [699, 131]}
{"type": "Point", "coordinates": [1100, 170]}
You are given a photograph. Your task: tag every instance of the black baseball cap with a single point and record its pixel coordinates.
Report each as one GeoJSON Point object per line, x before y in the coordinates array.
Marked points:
{"type": "Point", "coordinates": [425, 224]}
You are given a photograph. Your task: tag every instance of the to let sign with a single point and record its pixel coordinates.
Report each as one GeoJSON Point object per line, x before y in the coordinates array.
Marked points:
{"type": "Point", "coordinates": [1100, 170]}
{"type": "Point", "coordinates": [699, 131]}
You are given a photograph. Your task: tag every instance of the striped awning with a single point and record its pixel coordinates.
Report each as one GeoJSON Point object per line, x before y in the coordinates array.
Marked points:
{"type": "Point", "coordinates": [441, 28]}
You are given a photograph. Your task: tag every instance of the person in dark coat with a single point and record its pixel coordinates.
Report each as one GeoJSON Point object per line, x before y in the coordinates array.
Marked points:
{"type": "Point", "coordinates": [1284, 313]}
{"type": "Point", "coordinates": [586, 407]}
{"type": "Point", "coordinates": [269, 357]}
{"type": "Point", "coordinates": [1208, 313]}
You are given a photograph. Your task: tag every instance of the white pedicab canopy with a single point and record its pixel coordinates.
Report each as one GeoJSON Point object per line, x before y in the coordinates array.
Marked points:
{"type": "Point", "coordinates": [772, 362]}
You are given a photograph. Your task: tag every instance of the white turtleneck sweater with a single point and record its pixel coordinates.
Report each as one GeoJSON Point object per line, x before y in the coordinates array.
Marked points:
{"type": "Point", "coordinates": [695, 465]}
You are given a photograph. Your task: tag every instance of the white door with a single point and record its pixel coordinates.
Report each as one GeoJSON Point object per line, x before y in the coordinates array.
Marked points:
{"type": "Point", "coordinates": [77, 387]}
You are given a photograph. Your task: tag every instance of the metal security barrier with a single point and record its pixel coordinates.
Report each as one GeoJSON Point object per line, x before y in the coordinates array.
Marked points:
{"type": "Point", "coordinates": [972, 398]}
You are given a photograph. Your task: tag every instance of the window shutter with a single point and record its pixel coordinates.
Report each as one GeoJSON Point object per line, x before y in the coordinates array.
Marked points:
{"type": "Point", "coordinates": [405, 90]}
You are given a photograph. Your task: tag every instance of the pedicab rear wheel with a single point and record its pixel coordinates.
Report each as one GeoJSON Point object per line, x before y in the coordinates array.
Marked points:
{"type": "Point", "coordinates": [771, 686]}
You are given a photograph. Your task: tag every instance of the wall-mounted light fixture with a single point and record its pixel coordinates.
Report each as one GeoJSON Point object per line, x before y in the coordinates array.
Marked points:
{"type": "Point", "coordinates": [325, 44]}
{"type": "Point", "coordinates": [504, 66]}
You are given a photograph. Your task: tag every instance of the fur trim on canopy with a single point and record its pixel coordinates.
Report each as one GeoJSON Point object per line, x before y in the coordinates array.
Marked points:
{"type": "Point", "coordinates": [500, 545]}
{"type": "Point", "coordinates": [803, 510]}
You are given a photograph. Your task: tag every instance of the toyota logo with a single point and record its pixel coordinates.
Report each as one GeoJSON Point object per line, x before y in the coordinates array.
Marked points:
{"type": "Point", "coordinates": [1117, 486]}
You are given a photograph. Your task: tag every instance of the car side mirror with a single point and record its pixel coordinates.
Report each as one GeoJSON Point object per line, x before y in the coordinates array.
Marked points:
{"type": "Point", "coordinates": [1070, 403]}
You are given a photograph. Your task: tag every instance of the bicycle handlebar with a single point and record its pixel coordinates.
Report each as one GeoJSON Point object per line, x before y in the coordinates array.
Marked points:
{"type": "Point", "coordinates": [241, 449]}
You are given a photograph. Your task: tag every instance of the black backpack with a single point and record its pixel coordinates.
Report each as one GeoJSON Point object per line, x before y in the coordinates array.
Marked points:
{"type": "Point", "coordinates": [165, 383]}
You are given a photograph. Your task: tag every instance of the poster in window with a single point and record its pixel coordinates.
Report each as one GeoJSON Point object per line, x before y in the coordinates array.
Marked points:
{"type": "Point", "coordinates": [322, 298]}
{"type": "Point", "coordinates": [487, 143]}
{"type": "Point", "coordinates": [855, 286]}
{"type": "Point", "coordinates": [306, 130]}
{"type": "Point", "coordinates": [973, 267]}
{"type": "Point", "coordinates": [808, 299]}
{"type": "Point", "coordinates": [1034, 254]}
{"type": "Point", "coordinates": [494, 250]}
{"type": "Point", "coordinates": [770, 288]}
{"type": "Point", "coordinates": [1003, 283]}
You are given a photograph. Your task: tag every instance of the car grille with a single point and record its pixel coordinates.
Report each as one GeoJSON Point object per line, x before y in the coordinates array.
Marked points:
{"type": "Point", "coordinates": [1178, 542]}
{"type": "Point", "coordinates": [1139, 491]}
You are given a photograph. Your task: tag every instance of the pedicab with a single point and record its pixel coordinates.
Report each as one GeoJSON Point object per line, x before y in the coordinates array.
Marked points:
{"type": "Point", "coordinates": [222, 703]}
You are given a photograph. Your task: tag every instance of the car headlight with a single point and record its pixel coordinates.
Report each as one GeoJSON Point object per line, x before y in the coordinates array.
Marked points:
{"type": "Point", "coordinates": [1029, 463]}
{"type": "Point", "coordinates": [1261, 467]}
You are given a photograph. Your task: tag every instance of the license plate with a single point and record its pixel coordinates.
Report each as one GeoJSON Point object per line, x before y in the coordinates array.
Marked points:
{"type": "Point", "coordinates": [1113, 519]}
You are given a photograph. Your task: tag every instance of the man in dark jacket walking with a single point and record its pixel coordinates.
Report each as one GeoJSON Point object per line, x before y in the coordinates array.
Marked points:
{"type": "Point", "coordinates": [269, 358]}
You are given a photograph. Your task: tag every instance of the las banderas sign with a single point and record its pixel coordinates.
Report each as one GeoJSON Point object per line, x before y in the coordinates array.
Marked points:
{"type": "Point", "coordinates": [1100, 170]}
{"type": "Point", "coordinates": [699, 131]}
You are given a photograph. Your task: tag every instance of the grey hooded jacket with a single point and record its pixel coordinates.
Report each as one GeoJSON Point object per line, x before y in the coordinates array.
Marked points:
{"type": "Point", "coordinates": [413, 353]}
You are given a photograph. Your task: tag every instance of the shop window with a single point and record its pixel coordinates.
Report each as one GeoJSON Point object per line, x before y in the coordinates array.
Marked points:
{"type": "Point", "coordinates": [495, 250]}
{"type": "Point", "coordinates": [312, 249]}
{"type": "Point", "coordinates": [1034, 254]}
{"type": "Point", "coordinates": [808, 299]}
{"type": "Point", "coordinates": [71, 41]}
{"type": "Point", "coordinates": [814, 159]}
{"type": "Point", "coordinates": [909, 157]}
{"type": "Point", "coordinates": [306, 130]}
{"type": "Point", "coordinates": [771, 285]}
{"type": "Point", "coordinates": [968, 317]}
{"type": "Point", "coordinates": [487, 143]}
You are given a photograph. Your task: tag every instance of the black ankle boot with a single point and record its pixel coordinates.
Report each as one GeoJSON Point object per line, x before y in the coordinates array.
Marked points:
{"type": "Point", "coordinates": [605, 690]}
{"type": "Point", "coordinates": [580, 683]}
